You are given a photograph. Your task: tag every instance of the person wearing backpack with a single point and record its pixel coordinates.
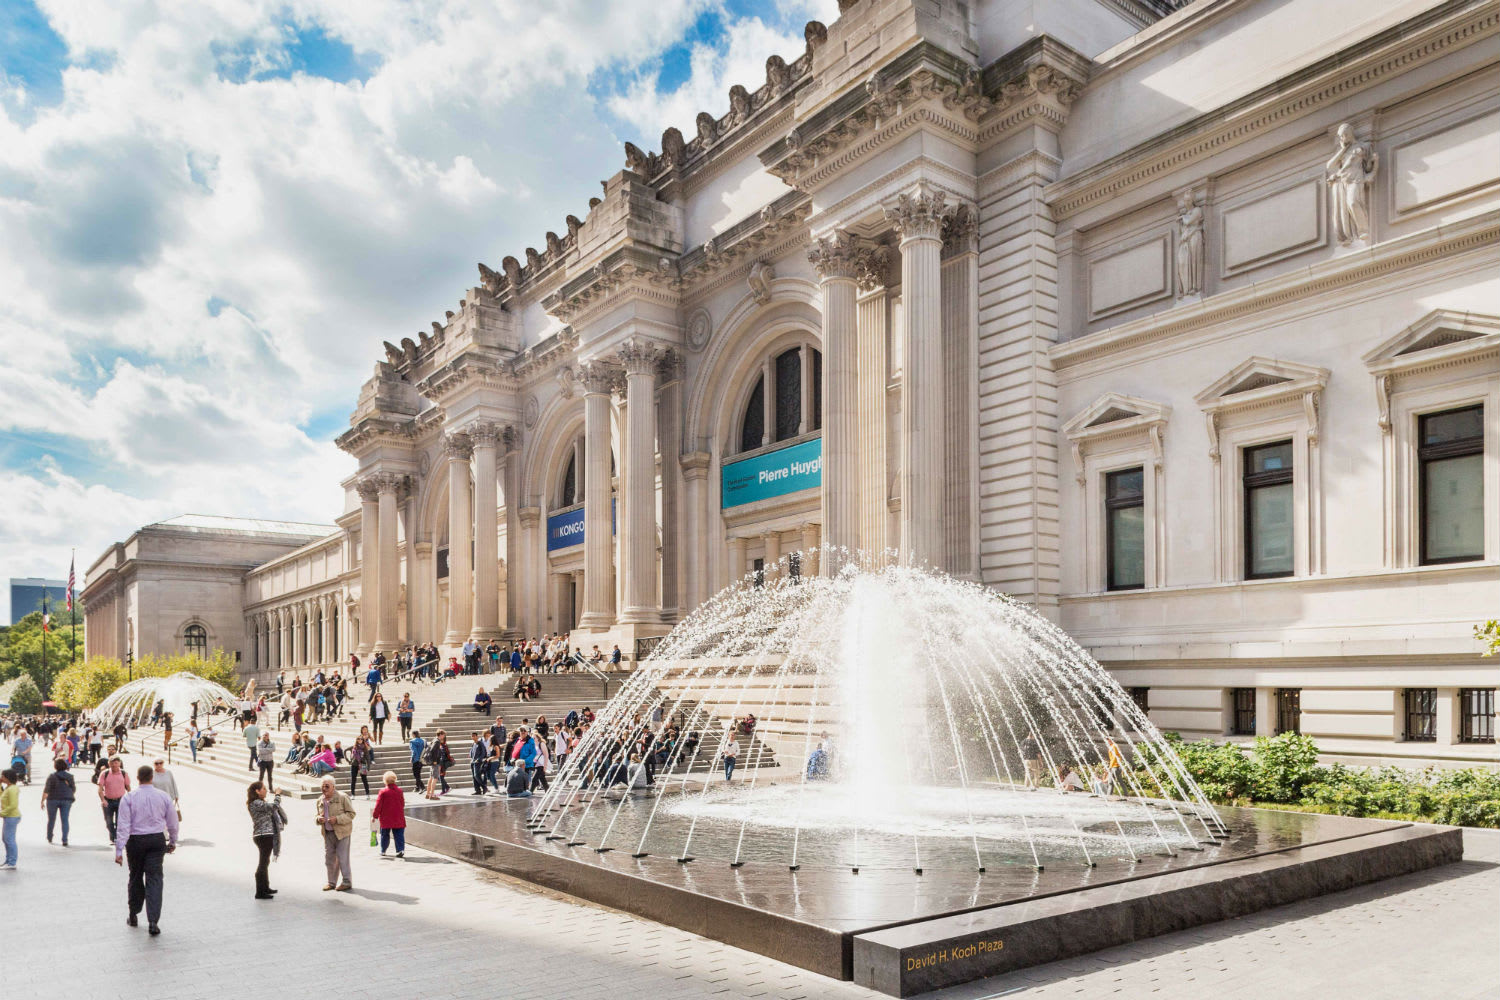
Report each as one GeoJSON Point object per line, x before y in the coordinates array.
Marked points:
{"type": "Point", "coordinates": [57, 796]}
{"type": "Point", "coordinates": [441, 758]}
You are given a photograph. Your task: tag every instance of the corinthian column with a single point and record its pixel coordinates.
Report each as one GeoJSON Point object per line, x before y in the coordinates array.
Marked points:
{"type": "Point", "coordinates": [598, 538]}
{"type": "Point", "coordinates": [460, 521]}
{"type": "Point", "coordinates": [369, 560]}
{"type": "Point", "coordinates": [642, 603]}
{"type": "Point", "coordinates": [839, 260]}
{"type": "Point", "coordinates": [486, 531]}
{"type": "Point", "coordinates": [918, 216]}
{"type": "Point", "coordinates": [387, 633]}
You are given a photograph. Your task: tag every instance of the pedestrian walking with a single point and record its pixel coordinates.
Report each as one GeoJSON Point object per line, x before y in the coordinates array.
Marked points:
{"type": "Point", "coordinates": [390, 813]}
{"type": "Point", "coordinates": [252, 737]}
{"type": "Point", "coordinates": [405, 709]}
{"type": "Point", "coordinates": [265, 757]}
{"type": "Point", "coordinates": [418, 747]}
{"type": "Point", "coordinates": [57, 797]}
{"type": "Point", "coordinates": [380, 710]}
{"type": "Point", "coordinates": [336, 819]}
{"type": "Point", "coordinates": [731, 753]}
{"type": "Point", "coordinates": [166, 782]}
{"type": "Point", "coordinates": [147, 833]}
{"type": "Point", "coordinates": [359, 757]}
{"type": "Point", "coordinates": [267, 819]}
{"type": "Point", "coordinates": [114, 783]}
{"type": "Point", "coordinates": [10, 817]}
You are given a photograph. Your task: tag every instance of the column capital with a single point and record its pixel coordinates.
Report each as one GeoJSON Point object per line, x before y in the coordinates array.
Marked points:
{"type": "Point", "coordinates": [695, 465]}
{"type": "Point", "coordinates": [530, 516]}
{"type": "Point", "coordinates": [368, 488]}
{"type": "Point", "coordinates": [484, 434]}
{"type": "Point", "coordinates": [458, 446]}
{"type": "Point", "coordinates": [960, 231]}
{"type": "Point", "coordinates": [918, 213]}
{"type": "Point", "coordinates": [597, 377]}
{"type": "Point", "coordinates": [640, 356]}
{"type": "Point", "coordinates": [389, 482]}
{"type": "Point", "coordinates": [843, 256]}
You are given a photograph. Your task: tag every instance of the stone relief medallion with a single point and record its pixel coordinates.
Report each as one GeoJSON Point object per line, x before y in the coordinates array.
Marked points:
{"type": "Point", "coordinates": [699, 329]}
{"type": "Point", "coordinates": [533, 410]}
{"type": "Point", "coordinates": [423, 464]}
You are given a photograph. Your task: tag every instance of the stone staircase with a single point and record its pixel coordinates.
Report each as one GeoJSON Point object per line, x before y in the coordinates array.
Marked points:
{"type": "Point", "coordinates": [448, 706]}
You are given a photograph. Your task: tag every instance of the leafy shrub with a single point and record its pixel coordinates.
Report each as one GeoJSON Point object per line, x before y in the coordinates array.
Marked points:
{"type": "Point", "coordinates": [1284, 766]}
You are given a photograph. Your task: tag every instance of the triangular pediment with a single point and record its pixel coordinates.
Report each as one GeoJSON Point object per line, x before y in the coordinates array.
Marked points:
{"type": "Point", "coordinates": [1259, 378]}
{"type": "Point", "coordinates": [1442, 336]}
{"type": "Point", "coordinates": [1114, 412]}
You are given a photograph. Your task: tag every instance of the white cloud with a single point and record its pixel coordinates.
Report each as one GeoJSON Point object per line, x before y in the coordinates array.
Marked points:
{"type": "Point", "coordinates": [321, 218]}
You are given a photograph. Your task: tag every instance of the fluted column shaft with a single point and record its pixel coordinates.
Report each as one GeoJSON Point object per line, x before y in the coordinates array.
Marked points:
{"type": "Point", "coordinates": [918, 215]}
{"type": "Point", "coordinates": [839, 261]}
{"type": "Point", "coordinates": [460, 522]}
{"type": "Point", "coordinates": [642, 600]}
{"type": "Point", "coordinates": [515, 576]}
{"type": "Point", "coordinates": [486, 534]}
{"type": "Point", "coordinates": [286, 637]}
{"type": "Point", "coordinates": [773, 555]}
{"type": "Point", "coordinates": [369, 559]}
{"type": "Point", "coordinates": [388, 565]}
{"type": "Point", "coordinates": [598, 537]}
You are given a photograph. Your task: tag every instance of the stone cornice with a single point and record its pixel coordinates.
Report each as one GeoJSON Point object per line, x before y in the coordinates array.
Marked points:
{"type": "Point", "coordinates": [627, 272]}
{"type": "Point", "coordinates": [745, 242]}
{"type": "Point", "coordinates": [1371, 61]}
{"type": "Point", "coordinates": [467, 368]}
{"type": "Point", "coordinates": [375, 430]}
{"type": "Point", "coordinates": [1436, 244]}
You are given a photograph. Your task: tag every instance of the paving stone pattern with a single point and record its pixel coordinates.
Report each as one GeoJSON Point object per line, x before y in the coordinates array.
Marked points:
{"type": "Point", "coordinates": [431, 928]}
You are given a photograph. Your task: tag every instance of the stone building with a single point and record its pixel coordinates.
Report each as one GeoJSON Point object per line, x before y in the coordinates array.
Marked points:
{"type": "Point", "coordinates": [180, 585]}
{"type": "Point", "coordinates": [1182, 325]}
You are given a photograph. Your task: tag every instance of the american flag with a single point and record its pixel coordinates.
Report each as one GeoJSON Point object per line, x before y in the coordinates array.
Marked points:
{"type": "Point", "coordinates": [71, 580]}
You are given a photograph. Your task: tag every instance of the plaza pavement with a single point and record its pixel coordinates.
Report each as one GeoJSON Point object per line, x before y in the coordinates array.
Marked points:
{"type": "Point", "coordinates": [432, 928]}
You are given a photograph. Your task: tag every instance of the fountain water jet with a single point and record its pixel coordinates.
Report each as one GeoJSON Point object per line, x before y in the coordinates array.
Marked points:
{"type": "Point", "coordinates": [919, 693]}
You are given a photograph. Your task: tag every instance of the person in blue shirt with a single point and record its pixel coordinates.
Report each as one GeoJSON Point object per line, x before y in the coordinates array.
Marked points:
{"type": "Point", "coordinates": [515, 660]}
{"type": "Point", "coordinates": [418, 745]}
{"type": "Point", "coordinates": [372, 678]}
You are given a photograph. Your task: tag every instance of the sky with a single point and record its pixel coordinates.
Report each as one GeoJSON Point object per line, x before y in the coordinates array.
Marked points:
{"type": "Point", "coordinates": [212, 213]}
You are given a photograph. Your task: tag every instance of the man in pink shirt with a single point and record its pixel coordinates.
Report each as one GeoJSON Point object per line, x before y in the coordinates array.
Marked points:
{"type": "Point", "coordinates": [113, 784]}
{"type": "Point", "coordinates": [147, 834]}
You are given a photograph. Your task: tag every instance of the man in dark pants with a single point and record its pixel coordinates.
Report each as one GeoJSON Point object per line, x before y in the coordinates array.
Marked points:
{"type": "Point", "coordinates": [147, 833]}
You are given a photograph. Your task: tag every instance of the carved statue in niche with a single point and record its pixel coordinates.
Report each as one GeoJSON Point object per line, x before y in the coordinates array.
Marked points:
{"type": "Point", "coordinates": [1350, 173]}
{"type": "Point", "coordinates": [1189, 245]}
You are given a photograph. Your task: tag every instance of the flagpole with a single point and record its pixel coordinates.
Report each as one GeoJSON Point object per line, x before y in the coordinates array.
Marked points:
{"type": "Point", "coordinates": [72, 610]}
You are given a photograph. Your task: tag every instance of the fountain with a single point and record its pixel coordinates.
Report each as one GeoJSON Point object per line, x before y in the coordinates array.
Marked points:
{"type": "Point", "coordinates": [132, 703]}
{"type": "Point", "coordinates": [918, 693]}
{"type": "Point", "coordinates": [938, 785]}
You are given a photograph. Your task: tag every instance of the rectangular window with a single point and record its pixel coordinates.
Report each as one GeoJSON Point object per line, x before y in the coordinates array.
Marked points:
{"type": "Point", "coordinates": [1244, 711]}
{"type": "Point", "coordinates": [1125, 528]}
{"type": "Point", "coordinates": [442, 563]}
{"type": "Point", "coordinates": [1421, 714]}
{"type": "Point", "coordinates": [1450, 455]}
{"type": "Point", "coordinates": [794, 567]}
{"type": "Point", "coordinates": [1288, 710]}
{"type": "Point", "coordinates": [1269, 541]}
{"type": "Point", "coordinates": [760, 572]}
{"type": "Point", "coordinates": [1476, 715]}
{"type": "Point", "coordinates": [1139, 696]}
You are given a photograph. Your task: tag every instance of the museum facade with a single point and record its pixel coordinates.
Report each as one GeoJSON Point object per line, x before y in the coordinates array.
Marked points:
{"type": "Point", "coordinates": [1182, 325]}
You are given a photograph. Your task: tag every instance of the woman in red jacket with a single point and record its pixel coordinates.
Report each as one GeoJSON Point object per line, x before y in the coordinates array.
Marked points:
{"type": "Point", "coordinates": [390, 813]}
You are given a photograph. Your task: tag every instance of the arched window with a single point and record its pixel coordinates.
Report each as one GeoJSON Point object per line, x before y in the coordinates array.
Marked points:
{"type": "Point", "coordinates": [195, 639]}
{"type": "Point", "coordinates": [785, 414]}
{"type": "Point", "coordinates": [571, 494]}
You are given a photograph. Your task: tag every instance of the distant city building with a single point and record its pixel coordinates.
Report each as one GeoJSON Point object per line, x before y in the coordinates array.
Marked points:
{"type": "Point", "coordinates": [26, 596]}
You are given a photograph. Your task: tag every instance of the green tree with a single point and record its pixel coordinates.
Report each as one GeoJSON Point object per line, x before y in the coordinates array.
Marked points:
{"type": "Point", "coordinates": [218, 667]}
{"type": "Point", "coordinates": [24, 696]}
{"type": "Point", "coordinates": [88, 682]}
{"type": "Point", "coordinates": [42, 655]}
{"type": "Point", "coordinates": [24, 635]}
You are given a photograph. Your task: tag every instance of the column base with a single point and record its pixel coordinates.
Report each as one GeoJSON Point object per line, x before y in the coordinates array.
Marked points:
{"type": "Point", "coordinates": [487, 633]}
{"type": "Point", "coordinates": [640, 616]}
{"type": "Point", "coordinates": [453, 637]}
{"type": "Point", "coordinates": [595, 620]}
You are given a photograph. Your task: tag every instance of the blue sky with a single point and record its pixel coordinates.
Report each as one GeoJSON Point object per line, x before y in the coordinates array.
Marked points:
{"type": "Point", "coordinates": [215, 211]}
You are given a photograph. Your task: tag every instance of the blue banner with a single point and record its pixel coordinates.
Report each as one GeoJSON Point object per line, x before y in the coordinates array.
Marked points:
{"type": "Point", "coordinates": [773, 474]}
{"type": "Point", "coordinates": [566, 529]}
